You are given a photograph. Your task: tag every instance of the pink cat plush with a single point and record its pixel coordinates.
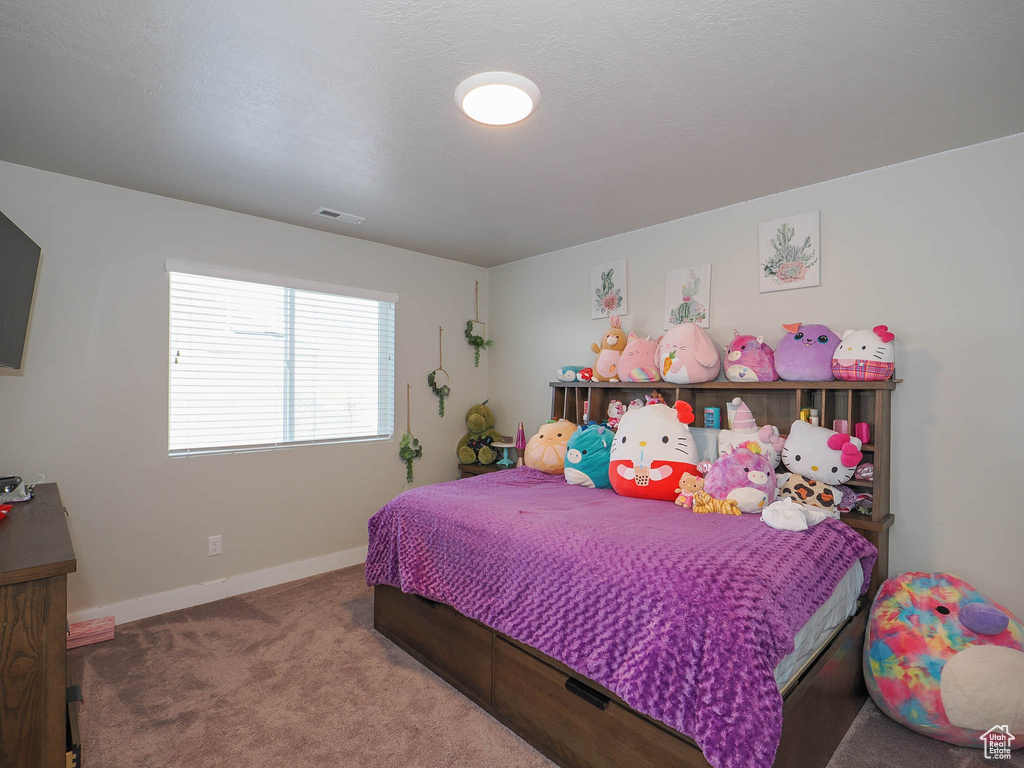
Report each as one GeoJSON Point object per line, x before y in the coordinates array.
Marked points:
{"type": "Point", "coordinates": [637, 360]}
{"type": "Point", "coordinates": [748, 358]}
{"type": "Point", "coordinates": [687, 355]}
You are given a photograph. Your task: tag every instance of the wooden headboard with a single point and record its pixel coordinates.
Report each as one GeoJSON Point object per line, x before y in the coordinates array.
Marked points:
{"type": "Point", "coordinates": [778, 403]}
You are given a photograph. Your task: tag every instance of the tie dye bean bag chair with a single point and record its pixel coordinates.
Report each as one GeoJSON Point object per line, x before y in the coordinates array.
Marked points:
{"type": "Point", "coordinates": [944, 660]}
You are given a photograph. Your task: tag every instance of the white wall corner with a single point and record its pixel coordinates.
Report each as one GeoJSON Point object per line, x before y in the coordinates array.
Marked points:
{"type": "Point", "coordinates": [198, 594]}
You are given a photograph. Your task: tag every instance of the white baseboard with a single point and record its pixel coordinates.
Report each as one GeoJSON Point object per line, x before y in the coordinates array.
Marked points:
{"type": "Point", "coordinates": [197, 594]}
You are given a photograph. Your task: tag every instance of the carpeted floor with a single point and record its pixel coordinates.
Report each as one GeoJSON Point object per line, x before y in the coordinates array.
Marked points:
{"type": "Point", "coordinates": [295, 676]}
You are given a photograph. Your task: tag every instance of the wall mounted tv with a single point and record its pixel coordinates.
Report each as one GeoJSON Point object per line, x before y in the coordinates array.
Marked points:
{"type": "Point", "coordinates": [19, 261]}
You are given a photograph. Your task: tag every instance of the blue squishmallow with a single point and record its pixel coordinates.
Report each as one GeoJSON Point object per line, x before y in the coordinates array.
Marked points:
{"type": "Point", "coordinates": [587, 457]}
{"type": "Point", "coordinates": [944, 660]}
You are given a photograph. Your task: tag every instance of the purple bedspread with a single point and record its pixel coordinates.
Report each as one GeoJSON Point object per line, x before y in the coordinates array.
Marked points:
{"type": "Point", "coordinates": [684, 616]}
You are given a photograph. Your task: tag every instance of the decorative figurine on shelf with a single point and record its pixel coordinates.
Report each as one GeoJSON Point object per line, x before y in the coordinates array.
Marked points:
{"type": "Point", "coordinates": [520, 444]}
{"type": "Point", "coordinates": [475, 445]}
{"type": "Point", "coordinates": [606, 368]}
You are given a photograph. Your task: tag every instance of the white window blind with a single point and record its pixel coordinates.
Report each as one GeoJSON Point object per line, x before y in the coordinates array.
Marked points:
{"type": "Point", "coordinates": [255, 366]}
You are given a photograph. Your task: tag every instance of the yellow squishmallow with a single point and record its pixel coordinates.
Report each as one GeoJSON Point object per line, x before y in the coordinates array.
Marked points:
{"type": "Point", "coordinates": [546, 450]}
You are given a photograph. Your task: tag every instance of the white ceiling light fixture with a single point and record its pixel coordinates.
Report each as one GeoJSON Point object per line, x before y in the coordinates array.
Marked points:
{"type": "Point", "coordinates": [497, 98]}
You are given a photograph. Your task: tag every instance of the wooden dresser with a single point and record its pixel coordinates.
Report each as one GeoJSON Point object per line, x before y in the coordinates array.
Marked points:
{"type": "Point", "coordinates": [35, 558]}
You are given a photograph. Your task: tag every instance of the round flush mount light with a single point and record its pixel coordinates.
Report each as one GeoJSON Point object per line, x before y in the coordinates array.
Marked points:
{"type": "Point", "coordinates": [497, 98]}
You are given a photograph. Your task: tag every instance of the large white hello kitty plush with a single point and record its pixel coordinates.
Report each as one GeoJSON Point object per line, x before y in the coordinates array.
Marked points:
{"type": "Point", "coordinates": [653, 449]}
{"type": "Point", "coordinates": [817, 459]}
{"type": "Point", "coordinates": [865, 355]}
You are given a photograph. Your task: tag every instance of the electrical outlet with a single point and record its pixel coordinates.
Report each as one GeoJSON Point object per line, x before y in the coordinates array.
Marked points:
{"type": "Point", "coordinates": [215, 546]}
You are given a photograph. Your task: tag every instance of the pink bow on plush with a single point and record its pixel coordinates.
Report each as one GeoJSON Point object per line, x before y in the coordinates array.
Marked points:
{"type": "Point", "coordinates": [767, 435]}
{"type": "Point", "coordinates": [851, 454]}
{"type": "Point", "coordinates": [882, 332]}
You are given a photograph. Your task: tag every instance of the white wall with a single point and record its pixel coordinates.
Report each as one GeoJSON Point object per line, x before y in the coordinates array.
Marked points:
{"type": "Point", "coordinates": [89, 408]}
{"type": "Point", "coordinates": [932, 248]}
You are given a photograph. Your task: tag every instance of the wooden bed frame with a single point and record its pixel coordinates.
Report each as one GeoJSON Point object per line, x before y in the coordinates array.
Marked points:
{"type": "Point", "coordinates": [575, 721]}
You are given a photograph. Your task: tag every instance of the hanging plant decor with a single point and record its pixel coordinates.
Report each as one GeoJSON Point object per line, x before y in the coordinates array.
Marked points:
{"type": "Point", "coordinates": [442, 392]}
{"type": "Point", "coordinates": [408, 449]}
{"type": "Point", "coordinates": [477, 342]}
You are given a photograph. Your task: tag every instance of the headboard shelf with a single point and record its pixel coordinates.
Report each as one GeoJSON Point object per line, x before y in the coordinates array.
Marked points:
{"type": "Point", "coordinates": [771, 402]}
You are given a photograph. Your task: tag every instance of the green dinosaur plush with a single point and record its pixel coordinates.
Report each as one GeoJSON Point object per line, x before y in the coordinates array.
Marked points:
{"type": "Point", "coordinates": [475, 445]}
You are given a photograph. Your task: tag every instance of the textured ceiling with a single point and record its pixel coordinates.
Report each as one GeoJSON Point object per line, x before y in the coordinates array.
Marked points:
{"type": "Point", "coordinates": [649, 111]}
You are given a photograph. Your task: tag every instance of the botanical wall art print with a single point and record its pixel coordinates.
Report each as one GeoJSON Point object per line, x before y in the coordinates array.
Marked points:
{"type": "Point", "coordinates": [608, 289]}
{"type": "Point", "coordinates": [688, 295]}
{"type": "Point", "coordinates": [789, 252]}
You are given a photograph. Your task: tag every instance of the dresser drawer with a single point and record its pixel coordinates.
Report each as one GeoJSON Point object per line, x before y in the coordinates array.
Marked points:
{"type": "Point", "coordinates": [455, 647]}
{"type": "Point", "coordinates": [574, 724]}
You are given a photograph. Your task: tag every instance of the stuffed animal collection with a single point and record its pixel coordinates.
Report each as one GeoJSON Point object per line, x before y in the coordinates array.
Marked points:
{"type": "Point", "coordinates": [746, 434]}
{"type": "Point", "coordinates": [944, 660]}
{"type": "Point", "coordinates": [587, 456]}
{"type": "Point", "coordinates": [637, 362]}
{"type": "Point", "coordinates": [475, 445]}
{"type": "Point", "coordinates": [818, 459]}
{"type": "Point", "coordinates": [748, 358]}
{"type": "Point", "coordinates": [606, 367]}
{"type": "Point", "coordinates": [742, 476]}
{"type": "Point", "coordinates": [805, 352]}
{"type": "Point", "coordinates": [865, 355]}
{"type": "Point", "coordinates": [653, 448]}
{"type": "Point", "coordinates": [687, 355]}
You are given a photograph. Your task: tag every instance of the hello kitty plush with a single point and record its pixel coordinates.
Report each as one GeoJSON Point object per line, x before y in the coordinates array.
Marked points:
{"type": "Point", "coordinates": [745, 433]}
{"type": "Point", "coordinates": [653, 448]}
{"type": "Point", "coordinates": [637, 360]}
{"type": "Point", "coordinates": [865, 355]}
{"type": "Point", "coordinates": [687, 355]}
{"type": "Point", "coordinates": [818, 459]}
{"type": "Point", "coordinates": [616, 410]}
{"type": "Point", "coordinates": [748, 358]}
{"type": "Point", "coordinates": [743, 476]}
{"type": "Point", "coordinates": [606, 368]}
{"type": "Point", "coordinates": [805, 352]}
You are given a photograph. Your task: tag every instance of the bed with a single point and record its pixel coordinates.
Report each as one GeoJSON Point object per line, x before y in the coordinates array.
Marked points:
{"type": "Point", "coordinates": [610, 631]}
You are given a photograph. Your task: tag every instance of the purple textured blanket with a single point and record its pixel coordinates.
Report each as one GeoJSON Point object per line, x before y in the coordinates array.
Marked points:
{"type": "Point", "coordinates": [684, 616]}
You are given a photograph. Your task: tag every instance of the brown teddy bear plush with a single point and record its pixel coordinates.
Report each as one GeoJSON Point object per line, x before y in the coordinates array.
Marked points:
{"type": "Point", "coordinates": [475, 445]}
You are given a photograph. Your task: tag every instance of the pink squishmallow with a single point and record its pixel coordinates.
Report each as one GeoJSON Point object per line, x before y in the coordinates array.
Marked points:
{"type": "Point", "coordinates": [744, 476]}
{"type": "Point", "coordinates": [687, 355]}
{"type": "Point", "coordinates": [653, 449]}
{"type": "Point", "coordinates": [637, 360]}
{"type": "Point", "coordinates": [865, 355]}
{"type": "Point", "coordinates": [944, 660]}
{"type": "Point", "coordinates": [805, 352]}
{"type": "Point", "coordinates": [748, 358]}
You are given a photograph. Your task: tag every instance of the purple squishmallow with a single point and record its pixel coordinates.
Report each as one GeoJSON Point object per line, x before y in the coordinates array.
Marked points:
{"type": "Point", "coordinates": [637, 362]}
{"type": "Point", "coordinates": [805, 352]}
{"type": "Point", "coordinates": [944, 660]}
{"type": "Point", "coordinates": [748, 358]}
{"type": "Point", "coordinates": [744, 476]}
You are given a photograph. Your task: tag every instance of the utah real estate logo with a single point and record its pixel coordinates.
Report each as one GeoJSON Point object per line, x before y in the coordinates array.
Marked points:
{"type": "Point", "coordinates": [997, 740]}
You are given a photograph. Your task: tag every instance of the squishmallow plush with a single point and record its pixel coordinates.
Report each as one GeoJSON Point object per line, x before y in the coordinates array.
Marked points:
{"type": "Point", "coordinates": [612, 343]}
{"type": "Point", "coordinates": [687, 355]}
{"type": "Point", "coordinates": [743, 476]}
{"type": "Point", "coordinates": [819, 459]}
{"type": "Point", "coordinates": [805, 352]}
{"type": "Point", "coordinates": [637, 360]}
{"type": "Point", "coordinates": [944, 660]}
{"type": "Point", "coordinates": [546, 450]}
{"type": "Point", "coordinates": [748, 358]}
{"type": "Point", "coordinates": [746, 434]}
{"type": "Point", "coordinates": [653, 448]}
{"type": "Point", "coordinates": [587, 456]}
{"type": "Point", "coordinates": [865, 355]}
{"type": "Point", "coordinates": [568, 373]}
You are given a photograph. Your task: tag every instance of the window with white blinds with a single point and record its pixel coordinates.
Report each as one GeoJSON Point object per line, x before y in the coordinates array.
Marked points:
{"type": "Point", "coordinates": [256, 366]}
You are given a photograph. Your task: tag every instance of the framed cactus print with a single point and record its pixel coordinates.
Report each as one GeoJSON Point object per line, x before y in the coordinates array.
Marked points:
{"type": "Point", "coordinates": [789, 252]}
{"type": "Point", "coordinates": [608, 289]}
{"type": "Point", "coordinates": [688, 295]}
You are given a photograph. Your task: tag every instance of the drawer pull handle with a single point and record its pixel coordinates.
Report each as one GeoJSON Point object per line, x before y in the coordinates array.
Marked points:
{"type": "Point", "coordinates": [586, 693]}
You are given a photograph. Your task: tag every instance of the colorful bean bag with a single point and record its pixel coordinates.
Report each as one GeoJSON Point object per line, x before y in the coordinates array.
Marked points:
{"type": "Point", "coordinates": [944, 660]}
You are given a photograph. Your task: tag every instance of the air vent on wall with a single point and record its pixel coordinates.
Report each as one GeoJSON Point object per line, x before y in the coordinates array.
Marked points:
{"type": "Point", "coordinates": [348, 218]}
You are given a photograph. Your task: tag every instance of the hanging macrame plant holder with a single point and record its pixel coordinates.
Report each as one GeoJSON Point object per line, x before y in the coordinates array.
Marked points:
{"type": "Point", "coordinates": [409, 447]}
{"type": "Point", "coordinates": [444, 391]}
{"type": "Point", "coordinates": [476, 341]}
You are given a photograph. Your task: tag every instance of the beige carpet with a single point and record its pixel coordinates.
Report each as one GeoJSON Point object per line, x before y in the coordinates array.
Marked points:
{"type": "Point", "coordinates": [295, 676]}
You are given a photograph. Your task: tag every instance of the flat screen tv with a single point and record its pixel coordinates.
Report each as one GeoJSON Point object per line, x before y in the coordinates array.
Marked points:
{"type": "Point", "coordinates": [19, 261]}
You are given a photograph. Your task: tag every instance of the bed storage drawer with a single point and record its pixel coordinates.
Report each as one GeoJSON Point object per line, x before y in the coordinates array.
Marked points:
{"type": "Point", "coordinates": [574, 724]}
{"type": "Point", "coordinates": [456, 648]}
